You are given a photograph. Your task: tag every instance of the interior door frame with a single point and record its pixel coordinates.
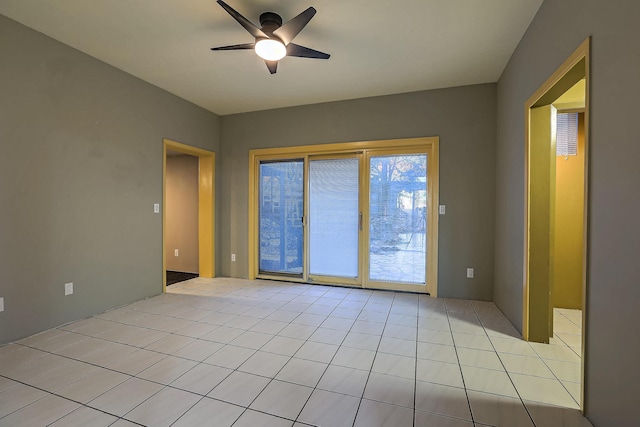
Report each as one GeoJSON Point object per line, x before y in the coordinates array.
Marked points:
{"type": "Point", "coordinates": [206, 207]}
{"type": "Point", "coordinates": [541, 221]}
{"type": "Point", "coordinates": [572, 70]}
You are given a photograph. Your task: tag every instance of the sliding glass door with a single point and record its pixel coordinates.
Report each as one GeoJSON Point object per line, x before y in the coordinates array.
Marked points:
{"type": "Point", "coordinates": [281, 211]}
{"type": "Point", "coordinates": [361, 214]}
{"type": "Point", "coordinates": [334, 218]}
{"type": "Point", "coordinates": [398, 218]}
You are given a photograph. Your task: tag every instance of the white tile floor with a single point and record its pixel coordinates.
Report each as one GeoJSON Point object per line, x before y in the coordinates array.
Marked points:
{"type": "Point", "coordinates": [229, 352]}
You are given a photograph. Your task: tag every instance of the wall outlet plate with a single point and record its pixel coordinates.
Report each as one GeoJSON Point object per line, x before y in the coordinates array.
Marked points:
{"type": "Point", "coordinates": [176, 252]}
{"type": "Point", "coordinates": [233, 257]}
{"type": "Point", "coordinates": [442, 209]}
{"type": "Point", "coordinates": [1, 304]}
{"type": "Point", "coordinates": [469, 273]}
{"type": "Point", "coordinates": [68, 288]}
{"type": "Point", "coordinates": [156, 208]}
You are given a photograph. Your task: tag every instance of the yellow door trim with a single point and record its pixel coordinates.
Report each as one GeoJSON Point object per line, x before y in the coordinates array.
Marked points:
{"type": "Point", "coordinates": [578, 57]}
{"type": "Point", "coordinates": [573, 68]}
{"type": "Point", "coordinates": [541, 214]}
{"type": "Point", "coordinates": [206, 206]}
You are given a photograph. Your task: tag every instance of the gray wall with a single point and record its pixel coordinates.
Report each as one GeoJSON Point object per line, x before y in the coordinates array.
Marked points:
{"type": "Point", "coordinates": [612, 376]}
{"type": "Point", "coordinates": [80, 170]}
{"type": "Point", "coordinates": [464, 119]}
{"type": "Point", "coordinates": [181, 214]}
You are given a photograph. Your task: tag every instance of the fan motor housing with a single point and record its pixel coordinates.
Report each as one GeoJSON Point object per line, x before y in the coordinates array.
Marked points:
{"type": "Point", "coordinates": [270, 21]}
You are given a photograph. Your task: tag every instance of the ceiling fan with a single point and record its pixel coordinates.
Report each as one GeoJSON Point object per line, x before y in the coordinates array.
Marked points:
{"type": "Point", "coordinates": [273, 39]}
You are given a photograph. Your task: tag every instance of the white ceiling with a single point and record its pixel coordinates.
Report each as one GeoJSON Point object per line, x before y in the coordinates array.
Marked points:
{"type": "Point", "coordinates": [377, 47]}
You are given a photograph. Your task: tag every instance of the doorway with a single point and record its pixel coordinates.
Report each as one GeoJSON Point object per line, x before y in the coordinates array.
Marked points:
{"type": "Point", "coordinates": [181, 217]}
{"type": "Point", "coordinates": [551, 259]}
{"type": "Point", "coordinates": [205, 210]}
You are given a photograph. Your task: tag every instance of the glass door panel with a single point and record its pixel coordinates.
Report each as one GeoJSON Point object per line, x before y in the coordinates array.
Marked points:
{"type": "Point", "coordinates": [334, 217]}
{"type": "Point", "coordinates": [398, 218]}
{"type": "Point", "coordinates": [281, 208]}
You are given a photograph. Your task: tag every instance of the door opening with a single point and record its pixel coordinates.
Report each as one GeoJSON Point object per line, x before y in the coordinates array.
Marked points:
{"type": "Point", "coordinates": [181, 201]}
{"type": "Point", "coordinates": [549, 247]}
{"type": "Point", "coordinates": [205, 210]}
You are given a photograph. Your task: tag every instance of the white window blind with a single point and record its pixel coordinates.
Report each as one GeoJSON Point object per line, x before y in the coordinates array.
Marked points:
{"type": "Point", "coordinates": [567, 134]}
{"type": "Point", "coordinates": [333, 217]}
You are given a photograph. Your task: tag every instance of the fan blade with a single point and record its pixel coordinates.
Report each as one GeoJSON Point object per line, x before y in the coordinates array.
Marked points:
{"type": "Point", "coordinates": [235, 47]}
{"type": "Point", "coordinates": [272, 66]}
{"type": "Point", "coordinates": [305, 52]}
{"type": "Point", "coordinates": [248, 25]}
{"type": "Point", "coordinates": [291, 28]}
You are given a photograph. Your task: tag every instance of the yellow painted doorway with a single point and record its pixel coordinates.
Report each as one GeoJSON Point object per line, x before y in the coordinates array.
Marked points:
{"type": "Point", "coordinates": [542, 221]}
{"type": "Point", "coordinates": [206, 207]}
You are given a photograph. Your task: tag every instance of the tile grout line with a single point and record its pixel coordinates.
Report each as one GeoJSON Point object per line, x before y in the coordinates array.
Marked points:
{"type": "Point", "coordinates": [246, 408]}
{"type": "Point", "coordinates": [306, 340]}
{"type": "Point", "coordinates": [372, 362]}
{"type": "Point", "coordinates": [544, 360]}
{"type": "Point", "coordinates": [455, 348]}
{"type": "Point", "coordinates": [503, 366]}
{"type": "Point", "coordinates": [573, 323]}
{"type": "Point", "coordinates": [290, 357]}
{"type": "Point", "coordinates": [329, 364]}
{"type": "Point", "coordinates": [370, 370]}
{"type": "Point", "coordinates": [53, 393]}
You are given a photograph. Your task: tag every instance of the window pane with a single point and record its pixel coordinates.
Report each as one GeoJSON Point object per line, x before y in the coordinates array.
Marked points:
{"type": "Point", "coordinates": [398, 219]}
{"type": "Point", "coordinates": [333, 217]}
{"type": "Point", "coordinates": [567, 134]}
{"type": "Point", "coordinates": [281, 210]}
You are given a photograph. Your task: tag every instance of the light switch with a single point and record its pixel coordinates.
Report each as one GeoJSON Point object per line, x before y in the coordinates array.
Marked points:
{"type": "Point", "coordinates": [68, 288]}
{"type": "Point", "coordinates": [469, 273]}
{"type": "Point", "coordinates": [442, 209]}
{"type": "Point", "coordinates": [156, 208]}
{"type": "Point", "coordinates": [2, 304]}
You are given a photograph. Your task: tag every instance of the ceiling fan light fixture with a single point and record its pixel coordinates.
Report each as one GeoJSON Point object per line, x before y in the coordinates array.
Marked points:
{"type": "Point", "coordinates": [273, 39]}
{"type": "Point", "coordinates": [270, 49]}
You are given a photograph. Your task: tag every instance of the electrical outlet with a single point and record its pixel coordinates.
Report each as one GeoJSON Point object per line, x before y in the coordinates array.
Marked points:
{"type": "Point", "coordinates": [469, 273]}
{"type": "Point", "coordinates": [442, 209]}
{"type": "Point", "coordinates": [1, 304]}
{"type": "Point", "coordinates": [233, 257]}
{"type": "Point", "coordinates": [156, 208]}
{"type": "Point", "coordinates": [176, 252]}
{"type": "Point", "coordinates": [68, 288]}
